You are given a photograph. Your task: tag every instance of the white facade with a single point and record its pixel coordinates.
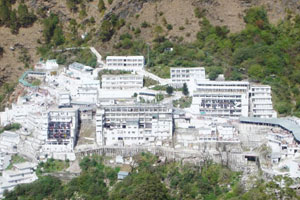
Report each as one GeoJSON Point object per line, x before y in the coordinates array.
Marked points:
{"type": "Point", "coordinates": [4, 160]}
{"type": "Point", "coordinates": [48, 65]}
{"type": "Point", "coordinates": [21, 173]}
{"type": "Point", "coordinates": [261, 102]}
{"type": "Point", "coordinates": [133, 124]}
{"type": "Point", "coordinates": [80, 71]}
{"type": "Point", "coordinates": [62, 130]}
{"type": "Point", "coordinates": [122, 82]}
{"type": "Point", "coordinates": [179, 76]}
{"type": "Point", "coordinates": [220, 98]}
{"type": "Point", "coordinates": [128, 63]}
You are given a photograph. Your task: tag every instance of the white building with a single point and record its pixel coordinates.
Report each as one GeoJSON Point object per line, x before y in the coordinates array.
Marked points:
{"type": "Point", "coordinates": [261, 102]}
{"type": "Point", "coordinates": [220, 98]}
{"type": "Point", "coordinates": [62, 130]}
{"type": "Point", "coordinates": [122, 82]}
{"type": "Point", "coordinates": [48, 65]}
{"type": "Point", "coordinates": [4, 160]}
{"type": "Point", "coordinates": [80, 71]}
{"type": "Point", "coordinates": [21, 173]}
{"type": "Point", "coordinates": [179, 76]}
{"type": "Point", "coordinates": [133, 124]}
{"type": "Point", "coordinates": [9, 141]}
{"type": "Point", "coordinates": [128, 63]}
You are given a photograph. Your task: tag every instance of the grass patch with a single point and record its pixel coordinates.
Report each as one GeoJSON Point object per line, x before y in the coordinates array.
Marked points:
{"type": "Point", "coordinates": [52, 165]}
{"type": "Point", "coordinates": [183, 102]}
{"type": "Point", "coordinates": [111, 72]}
{"type": "Point", "coordinates": [149, 81]}
{"type": "Point", "coordinates": [10, 127]}
{"type": "Point", "coordinates": [16, 159]}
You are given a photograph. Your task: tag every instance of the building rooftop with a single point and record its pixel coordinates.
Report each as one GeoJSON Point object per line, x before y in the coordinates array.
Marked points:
{"type": "Point", "coordinates": [281, 122]}
{"type": "Point", "coordinates": [24, 165]}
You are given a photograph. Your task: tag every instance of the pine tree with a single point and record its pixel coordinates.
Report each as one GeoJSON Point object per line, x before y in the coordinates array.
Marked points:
{"type": "Point", "coordinates": [185, 90]}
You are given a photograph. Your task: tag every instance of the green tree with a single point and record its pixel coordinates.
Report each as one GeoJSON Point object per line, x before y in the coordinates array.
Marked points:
{"type": "Point", "coordinates": [170, 90]}
{"type": "Point", "coordinates": [101, 6]}
{"type": "Point", "coordinates": [185, 90]}
{"type": "Point", "coordinates": [14, 25]}
{"type": "Point", "coordinates": [25, 18]}
{"type": "Point", "coordinates": [58, 36]}
{"type": "Point", "coordinates": [4, 12]}
{"type": "Point", "coordinates": [256, 72]}
{"type": "Point", "coordinates": [106, 31]}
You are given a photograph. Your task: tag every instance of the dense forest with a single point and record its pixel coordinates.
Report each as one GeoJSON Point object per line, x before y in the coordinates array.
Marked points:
{"type": "Point", "coordinates": [151, 179]}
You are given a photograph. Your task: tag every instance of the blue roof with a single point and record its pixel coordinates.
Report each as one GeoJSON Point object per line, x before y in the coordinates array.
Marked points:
{"type": "Point", "coordinates": [286, 124]}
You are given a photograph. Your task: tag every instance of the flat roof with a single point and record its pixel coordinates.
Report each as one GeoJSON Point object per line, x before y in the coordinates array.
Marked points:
{"type": "Point", "coordinates": [187, 68]}
{"type": "Point", "coordinates": [281, 122]}
{"type": "Point", "coordinates": [111, 57]}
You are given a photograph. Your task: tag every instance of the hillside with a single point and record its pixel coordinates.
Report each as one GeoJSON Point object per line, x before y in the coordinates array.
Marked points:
{"type": "Point", "coordinates": [144, 20]}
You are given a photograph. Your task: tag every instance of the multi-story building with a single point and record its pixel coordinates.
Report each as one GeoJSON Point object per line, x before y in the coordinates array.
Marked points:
{"type": "Point", "coordinates": [133, 124]}
{"type": "Point", "coordinates": [122, 82]}
{"type": "Point", "coordinates": [179, 76]}
{"type": "Point", "coordinates": [128, 63]}
{"type": "Point", "coordinates": [220, 98]}
{"type": "Point", "coordinates": [62, 130]}
{"type": "Point", "coordinates": [4, 160]}
{"type": "Point", "coordinates": [20, 174]}
{"type": "Point", "coordinates": [261, 101]}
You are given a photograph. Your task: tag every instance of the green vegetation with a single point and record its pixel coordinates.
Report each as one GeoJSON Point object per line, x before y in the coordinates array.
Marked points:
{"type": "Point", "coordinates": [149, 82]}
{"type": "Point", "coordinates": [145, 24]}
{"type": "Point", "coordinates": [185, 90]}
{"type": "Point", "coordinates": [101, 6]}
{"type": "Point", "coordinates": [15, 18]}
{"type": "Point", "coordinates": [262, 52]}
{"type": "Point", "coordinates": [16, 159]}
{"type": "Point", "coordinates": [36, 82]}
{"type": "Point", "coordinates": [151, 179]}
{"type": "Point", "coordinates": [183, 102]}
{"type": "Point", "coordinates": [109, 26]}
{"type": "Point", "coordinates": [52, 165]}
{"type": "Point", "coordinates": [10, 127]}
{"type": "Point", "coordinates": [160, 87]}
{"type": "Point", "coordinates": [159, 97]}
{"type": "Point", "coordinates": [111, 72]}
{"type": "Point", "coordinates": [169, 90]}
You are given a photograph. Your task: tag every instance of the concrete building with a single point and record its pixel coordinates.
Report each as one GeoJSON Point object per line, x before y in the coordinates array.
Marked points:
{"type": "Point", "coordinates": [261, 102]}
{"type": "Point", "coordinates": [220, 98]}
{"type": "Point", "coordinates": [179, 76]}
{"type": "Point", "coordinates": [20, 174]}
{"type": "Point", "coordinates": [48, 65]}
{"type": "Point", "coordinates": [80, 71]}
{"type": "Point", "coordinates": [128, 63]}
{"type": "Point", "coordinates": [4, 160]}
{"type": "Point", "coordinates": [62, 130]}
{"type": "Point", "coordinates": [138, 124]}
{"type": "Point", "coordinates": [122, 82]}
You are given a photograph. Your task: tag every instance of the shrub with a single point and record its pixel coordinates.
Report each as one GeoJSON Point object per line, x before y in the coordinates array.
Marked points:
{"type": "Point", "coordinates": [145, 24]}
{"type": "Point", "coordinates": [181, 28]}
{"type": "Point", "coordinates": [169, 27]}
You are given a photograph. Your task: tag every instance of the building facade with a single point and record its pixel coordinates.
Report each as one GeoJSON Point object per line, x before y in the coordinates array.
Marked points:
{"type": "Point", "coordinates": [122, 82]}
{"type": "Point", "coordinates": [261, 102]}
{"type": "Point", "coordinates": [62, 130]}
{"type": "Point", "coordinates": [220, 98]}
{"type": "Point", "coordinates": [20, 174]}
{"type": "Point", "coordinates": [179, 76]}
{"type": "Point", "coordinates": [127, 63]}
{"type": "Point", "coordinates": [122, 125]}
